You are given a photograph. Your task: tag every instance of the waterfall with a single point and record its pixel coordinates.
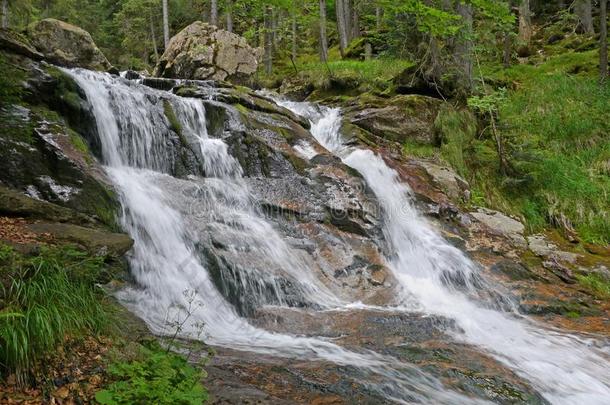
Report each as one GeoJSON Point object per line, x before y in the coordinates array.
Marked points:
{"type": "Point", "coordinates": [169, 218]}
{"type": "Point", "coordinates": [566, 369]}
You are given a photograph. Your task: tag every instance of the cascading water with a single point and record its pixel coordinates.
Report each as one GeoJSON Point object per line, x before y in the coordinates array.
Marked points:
{"type": "Point", "coordinates": [169, 218]}
{"type": "Point", "coordinates": [566, 369]}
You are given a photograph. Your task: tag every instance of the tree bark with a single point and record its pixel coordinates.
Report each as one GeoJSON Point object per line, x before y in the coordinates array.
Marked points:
{"type": "Point", "coordinates": [5, 14]}
{"type": "Point", "coordinates": [525, 22]}
{"type": "Point", "coordinates": [165, 24]}
{"type": "Point", "coordinates": [378, 17]}
{"type": "Point", "coordinates": [230, 15]}
{"type": "Point", "coordinates": [323, 37]}
{"type": "Point", "coordinates": [583, 10]}
{"type": "Point", "coordinates": [355, 32]}
{"type": "Point", "coordinates": [214, 12]}
{"type": "Point", "coordinates": [294, 31]}
{"type": "Point", "coordinates": [368, 51]}
{"type": "Point", "coordinates": [341, 25]}
{"type": "Point", "coordinates": [507, 51]}
{"type": "Point", "coordinates": [464, 48]}
{"type": "Point", "coordinates": [603, 40]}
{"type": "Point", "coordinates": [154, 38]}
{"type": "Point", "coordinates": [268, 38]}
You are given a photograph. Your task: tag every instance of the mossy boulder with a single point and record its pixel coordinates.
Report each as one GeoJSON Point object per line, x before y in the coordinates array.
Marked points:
{"type": "Point", "coordinates": [66, 45]}
{"type": "Point", "coordinates": [202, 51]}
{"type": "Point", "coordinates": [400, 118]}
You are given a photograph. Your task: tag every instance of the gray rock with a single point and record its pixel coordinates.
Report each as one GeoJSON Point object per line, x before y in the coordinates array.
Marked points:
{"type": "Point", "coordinates": [450, 182]}
{"type": "Point", "coordinates": [204, 52]}
{"type": "Point", "coordinates": [541, 247]}
{"type": "Point", "coordinates": [66, 45]}
{"type": "Point", "coordinates": [502, 225]}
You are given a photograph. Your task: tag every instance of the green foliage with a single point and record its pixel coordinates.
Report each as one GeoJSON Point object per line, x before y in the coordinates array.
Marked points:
{"type": "Point", "coordinates": [159, 377]}
{"type": "Point", "coordinates": [457, 130]}
{"type": "Point", "coordinates": [45, 298]}
{"type": "Point", "coordinates": [596, 283]}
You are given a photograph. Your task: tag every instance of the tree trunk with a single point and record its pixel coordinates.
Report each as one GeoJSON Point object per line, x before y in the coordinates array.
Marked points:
{"type": "Point", "coordinates": [154, 38]}
{"type": "Point", "coordinates": [464, 48]}
{"type": "Point", "coordinates": [230, 15]}
{"type": "Point", "coordinates": [583, 10]}
{"type": "Point", "coordinates": [378, 17]}
{"type": "Point", "coordinates": [268, 38]}
{"type": "Point", "coordinates": [5, 14]}
{"type": "Point", "coordinates": [525, 22]}
{"type": "Point", "coordinates": [341, 25]}
{"type": "Point", "coordinates": [214, 12]}
{"type": "Point", "coordinates": [355, 23]}
{"type": "Point", "coordinates": [294, 31]}
{"type": "Point", "coordinates": [507, 51]}
{"type": "Point", "coordinates": [368, 51]}
{"type": "Point", "coordinates": [323, 37]}
{"type": "Point", "coordinates": [603, 40]}
{"type": "Point", "coordinates": [165, 24]}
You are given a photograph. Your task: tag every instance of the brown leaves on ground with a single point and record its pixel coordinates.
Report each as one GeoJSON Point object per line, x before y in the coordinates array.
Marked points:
{"type": "Point", "coordinates": [14, 231]}
{"type": "Point", "coordinates": [72, 375]}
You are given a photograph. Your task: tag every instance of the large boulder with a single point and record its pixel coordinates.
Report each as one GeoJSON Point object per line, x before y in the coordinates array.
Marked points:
{"type": "Point", "coordinates": [202, 51]}
{"type": "Point", "coordinates": [66, 45]}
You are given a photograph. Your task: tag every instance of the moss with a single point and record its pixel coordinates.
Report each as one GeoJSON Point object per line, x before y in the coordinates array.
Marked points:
{"type": "Point", "coordinates": [596, 284]}
{"type": "Point", "coordinates": [299, 164]}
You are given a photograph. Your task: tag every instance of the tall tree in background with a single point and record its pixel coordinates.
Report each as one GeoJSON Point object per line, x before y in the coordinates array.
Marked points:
{"type": "Point", "coordinates": [583, 10]}
{"type": "Point", "coordinates": [464, 47]}
{"type": "Point", "coordinates": [378, 15]}
{"type": "Point", "coordinates": [525, 22]}
{"type": "Point", "coordinates": [229, 13]}
{"type": "Point", "coordinates": [341, 7]}
{"type": "Point", "coordinates": [268, 39]}
{"type": "Point", "coordinates": [214, 12]}
{"type": "Point", "coordinates": [165, 24]}
{"type": "Point", "coordinates": [603, 40]}
{"type": "Point", "coordinates": [4, 14]}
{"type": "Point", "coordinates": [323, 35]}
{"type": "Point", "coordinates": [294, 30]}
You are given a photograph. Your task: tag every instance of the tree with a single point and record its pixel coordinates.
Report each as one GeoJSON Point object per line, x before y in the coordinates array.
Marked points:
{"type": "Point", "coordinates": [4, 14]}
{"type": "Point", "coordinates": [341, 7]}
{"type": "Point", "coordinates": [464, 47]}
{"type": "Point", "coordinates": [214, 12]}
{"type": "Point", "coordinates": [323, 36]}
{"type": "Point", "coordinates": [229, 15]}
{"type": "Point", "coordinates": [165, 24]}
{"type": "Point", "coordinates": [603, 40]}
{"type": "Point", "coordinates": [294, 31]}
{"type": "Point", "coordinates": [583, 10]}
{"type": "Point", "coordinates": [268, 39]}
{"type": "Point", "coordinates": [525, 22]}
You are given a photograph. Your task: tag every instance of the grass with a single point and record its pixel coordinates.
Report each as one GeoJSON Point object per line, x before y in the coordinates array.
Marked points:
{"type": "Point", "coordinates": [557, 135]}
{"type": "Point", "coordinates": [45, 298]}
{"type": "Point", "coordinates": [598, 285]}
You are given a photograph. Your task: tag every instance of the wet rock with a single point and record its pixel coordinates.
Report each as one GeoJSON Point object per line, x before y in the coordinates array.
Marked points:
{"type": "Point", "coordinates": [66, 45]}
{"type": "Point", "coordinates": [296, 88]}
{"type": "Point", "coordinates": [512, 269]}
{"type": "Point", "coordinates": [400, 118]}
{"type": "Point", "coordinates": [202, 51]}
{"type": "Point", "coordinates": [502, 225]}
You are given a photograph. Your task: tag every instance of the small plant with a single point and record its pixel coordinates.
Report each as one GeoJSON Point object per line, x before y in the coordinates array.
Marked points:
{"type": "Point", "coordinates": [596, 283]}
{"type": "Point", "coordinates": [159, 377]}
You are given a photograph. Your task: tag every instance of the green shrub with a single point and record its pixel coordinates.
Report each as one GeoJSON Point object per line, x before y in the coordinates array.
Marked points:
{"type": "Point", "coordinates": [159, 377]}
{"type": "Point", "coordinates": [44, 299]}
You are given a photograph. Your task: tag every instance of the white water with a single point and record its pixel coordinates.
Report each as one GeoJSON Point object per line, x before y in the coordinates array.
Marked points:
{"type": "Point", "coordinates": [168, 217]}
{"type": "Point", "coordinates": [565, 369]}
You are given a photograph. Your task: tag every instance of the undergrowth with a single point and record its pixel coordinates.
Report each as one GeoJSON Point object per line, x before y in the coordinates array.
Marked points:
{"type": "Point", "coordinates": [45, 298]}
{"type": "Point", "coordinates": [555, 129]}
{"type": "Point", "coordinates": [157, 376]}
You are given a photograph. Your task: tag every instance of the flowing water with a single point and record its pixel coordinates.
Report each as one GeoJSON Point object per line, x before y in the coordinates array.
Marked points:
{"type": "Point", "coordinates": [567, 369]}
{"type": "Point", "coordinates": [173, 220]}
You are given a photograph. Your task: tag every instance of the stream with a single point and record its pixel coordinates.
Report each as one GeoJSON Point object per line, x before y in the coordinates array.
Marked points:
{"type": "Point", "coordinates": [179, 223]}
